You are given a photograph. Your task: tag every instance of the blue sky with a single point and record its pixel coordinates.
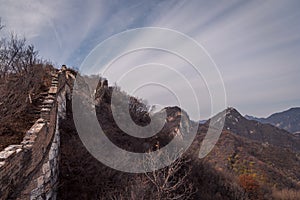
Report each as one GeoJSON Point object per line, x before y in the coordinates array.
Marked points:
{"type": "Point", "coordinates": [255, 44]}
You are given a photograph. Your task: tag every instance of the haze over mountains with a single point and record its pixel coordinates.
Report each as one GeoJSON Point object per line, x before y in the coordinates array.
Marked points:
{"type": "Point", "coordinates": [288, 120]}
{"type": "Point", "coordinates": [264, 133]}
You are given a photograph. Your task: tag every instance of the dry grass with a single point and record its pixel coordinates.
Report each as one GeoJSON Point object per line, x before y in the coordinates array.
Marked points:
{"type": "Point", "coordinates": [286, 194]}
{"type": "Point", "coordinates": [17, 111]}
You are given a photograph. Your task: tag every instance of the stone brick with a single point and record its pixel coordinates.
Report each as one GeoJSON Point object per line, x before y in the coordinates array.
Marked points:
{"type": "Point", "coordinates": [49, 195]}
{"type": "Point", "coordinates": [52, 90]}
{"type": "Point", "coordinates": [18, 150]}
{"type": "Point", "coordinates": [46, 167]}
{"type": "Point", "coordinates": [47, 176]}
{"type": "Point", "coordinates": [5, 154]}
{"type": "Point", "coordinates": [40, 181]}
{"type": "Point", "coordinates": [54, 180]}
{"type": "Point", "coordinates": [48, 101]}
{"type": "Point", "coordinates": [18, 161]}
{"type": "Point", "coordinates": [2, 163]}
{"type": "Point", "coordinates": [28, 146]}
{"type": "Point", "coordinates": [35, 193]}
{"type": "Point", "coordinates": [12, 147]}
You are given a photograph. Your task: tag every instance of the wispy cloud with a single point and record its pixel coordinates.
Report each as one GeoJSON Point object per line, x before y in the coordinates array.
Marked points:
{"type": "Point", "coordinates": [254, 43]}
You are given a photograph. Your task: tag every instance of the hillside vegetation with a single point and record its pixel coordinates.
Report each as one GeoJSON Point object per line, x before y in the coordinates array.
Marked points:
{"type": "Point", "coordinates": [248, 161]}
{"type": "Point", "coordinates": [251, 160]}
{"type": "Point", "coordinates": [24, 80]}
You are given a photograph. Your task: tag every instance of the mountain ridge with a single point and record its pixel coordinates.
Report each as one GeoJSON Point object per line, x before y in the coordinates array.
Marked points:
{"type": "Point", "coordinates": [288, 120]}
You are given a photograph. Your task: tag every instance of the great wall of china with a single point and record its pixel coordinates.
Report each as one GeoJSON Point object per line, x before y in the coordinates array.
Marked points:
{"type": "Point", "coordinates": [29, 170]}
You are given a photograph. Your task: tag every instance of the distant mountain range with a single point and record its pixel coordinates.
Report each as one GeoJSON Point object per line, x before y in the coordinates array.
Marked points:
{"type": "Point", "coordinates": [251, 160]}
{"type": "Point", "coordinates": [257, 131]}
{"type": "Point", "coordinates": [288, 120]}
{"type": "Point", "coordinates": [270, 155]}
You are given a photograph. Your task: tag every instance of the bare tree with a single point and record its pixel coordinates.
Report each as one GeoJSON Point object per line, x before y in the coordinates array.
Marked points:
{"type": "Point", "coordinates": [172, 181]}
{"type": "Point", "coordinates": [16, 57]}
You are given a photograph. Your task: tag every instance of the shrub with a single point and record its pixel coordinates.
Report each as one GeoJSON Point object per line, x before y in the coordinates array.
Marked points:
{"type": "Point", "coordinates": [249, 183]}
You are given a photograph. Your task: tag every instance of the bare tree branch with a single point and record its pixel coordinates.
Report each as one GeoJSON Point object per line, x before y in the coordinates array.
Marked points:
{"type": "Point", "coordinates": [170, 182]}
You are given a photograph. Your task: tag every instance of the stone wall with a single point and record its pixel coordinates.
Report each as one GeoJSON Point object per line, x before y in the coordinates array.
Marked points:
{"type": "Point", "coordinates": [30, 170]}
{"type": "Point", "coordinates": [47, 181]}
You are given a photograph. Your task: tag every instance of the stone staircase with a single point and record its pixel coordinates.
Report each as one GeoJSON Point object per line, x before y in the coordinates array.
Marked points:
{"type": "Point", "coordinates": [29, 170]}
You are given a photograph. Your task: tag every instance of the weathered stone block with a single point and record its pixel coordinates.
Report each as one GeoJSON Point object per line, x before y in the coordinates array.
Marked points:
{"type": "Point", "coordinates": [51, 155]}
{"type": "Point", "coordinates": [46, 167]}
{"type": "Point", "coordinates": [18, 150]}
{"type": "Point", "coordinates": [12, 147]}
{"type": "Point", "coordinates": [47, 175]}
{"type": "Point", "coordinates": [40, 181]}
{"type": "Point", "coordinates": [6, 154]}
{"type": "Point", "coordinates": [49, 195]}
{"type": "Point", "coordinates": [50, 97]}
{"type": "Point", "coordinates": [45, 110]}
{"type": "Point", "coordinates": [2, 163]}
{"type": "Point", "coordinates": [52, 90]}
{"type": "Point", "coordinates": [36, 127]}
{"type": "Point", "coordinates": [54, 180]}
{"type": "Point", "coordinates": [49, 106]}
{"type": "Point", "coordinates": [28, 146]}
{"type": "Point", "coordinates": [35, 193]}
